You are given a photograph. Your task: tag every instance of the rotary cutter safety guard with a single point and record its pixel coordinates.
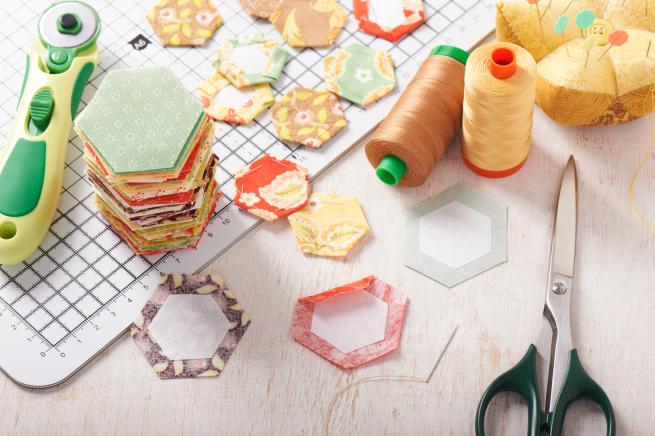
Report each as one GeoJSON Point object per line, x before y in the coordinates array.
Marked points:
{"type": "Point", "coordinates": [59, 64]}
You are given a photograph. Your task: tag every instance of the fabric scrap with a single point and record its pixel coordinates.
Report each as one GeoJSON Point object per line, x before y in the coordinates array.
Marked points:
{"type": "Point", "coordinates": [329, 226]}
{"type": "Point", "coordinates": [270, 188]}
{"type": "Point", "coordinates": [308, 116]}
{"type": "Point", "coordinates": [389, 19]}
{"type": "Point", "coordinates": [251, 60]}
{"type": "Point", "coordinates": [184, 22]}
{"type": "Point", "coordinates": [359, 74]}
{"type": "Point", "coordinates": [352, 324]}
{"type": "Point", "coordinates": [309, 23]}
{"type": "Point", "coordinates": [201, 324]}
{"type": "Point", "coordinates": [260, 8]}
{"type": "Point", "coordinates": [225, 102]}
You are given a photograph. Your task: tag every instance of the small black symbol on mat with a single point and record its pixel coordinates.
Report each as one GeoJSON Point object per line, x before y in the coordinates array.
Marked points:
{"type": "Point", "coordinates": [140, 42]}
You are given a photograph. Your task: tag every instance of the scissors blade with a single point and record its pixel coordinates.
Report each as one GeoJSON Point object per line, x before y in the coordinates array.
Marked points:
{"type": "Point", "coordinates": [566, 219]}
{"type": "Point", "coordinates": [556, 326]}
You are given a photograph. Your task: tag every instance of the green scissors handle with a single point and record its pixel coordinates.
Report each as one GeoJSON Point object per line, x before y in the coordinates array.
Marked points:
{"type": "Point", "coordinates": [522, 380]}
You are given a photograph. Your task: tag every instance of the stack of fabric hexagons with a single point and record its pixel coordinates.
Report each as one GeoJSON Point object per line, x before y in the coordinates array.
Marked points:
{"type": "Point", "coordinates": [148, 146]}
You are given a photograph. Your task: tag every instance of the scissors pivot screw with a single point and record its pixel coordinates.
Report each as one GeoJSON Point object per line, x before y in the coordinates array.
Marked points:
{"type": "Point", "coordinates": [559, 288]}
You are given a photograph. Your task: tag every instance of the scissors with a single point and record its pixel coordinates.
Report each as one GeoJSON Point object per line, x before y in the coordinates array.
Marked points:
{"type": "Point", "coordinates": [552, 361]}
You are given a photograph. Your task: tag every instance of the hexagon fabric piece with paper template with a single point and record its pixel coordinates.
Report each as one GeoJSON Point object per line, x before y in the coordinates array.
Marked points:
{"type": "Point", "coordinates": [309, 23]}
{"type": "Point", "coordinates": [184, 22]}
{"type": "Point", "coordinates": [271, 188]}
{"type": "Point", "coordinates": [329, 226]}
{"type": "Point", "coordinates": [308, 116]}
{"type": "Point", "coordinates": [190, 326]}
{"type": "Point", "coordinates": [353, 324]}
{"type": "Point", "coordinates": [389, 19]}
{"type": "Point", "coordinates": [359, 74]}
{"type": "Point", "coordinates": [251, 60]}
{"type": "Point", "coordinates": [225, 102]}
{"type": "Point", "coordinates": [456, 235]}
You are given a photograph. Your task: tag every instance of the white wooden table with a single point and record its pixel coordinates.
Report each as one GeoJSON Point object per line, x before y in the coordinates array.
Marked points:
{"type": "Point", "coordinates": [273, 386]}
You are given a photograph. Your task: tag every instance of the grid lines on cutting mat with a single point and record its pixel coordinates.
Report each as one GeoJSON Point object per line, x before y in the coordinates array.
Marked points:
{"type": "Point", "coordinates": [82, 265]}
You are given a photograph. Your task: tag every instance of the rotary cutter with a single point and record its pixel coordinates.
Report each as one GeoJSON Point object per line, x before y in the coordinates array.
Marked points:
{"type": "Point", "coordinates": [59, 64]}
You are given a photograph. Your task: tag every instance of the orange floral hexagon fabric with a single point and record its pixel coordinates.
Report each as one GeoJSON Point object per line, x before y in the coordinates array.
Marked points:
{"type": "Point", "coordinates": [389, 19]}
{"type": "Point", "coordinates": [184, 22]}
{"type": "Point", "coordinates": [308, 116]}
{"type": "Point", "coordinates": [330, 225]}
{"type": "Point", "coordinates": [270, 188]}
{"type": "Point", "coordinates": [309, 23]}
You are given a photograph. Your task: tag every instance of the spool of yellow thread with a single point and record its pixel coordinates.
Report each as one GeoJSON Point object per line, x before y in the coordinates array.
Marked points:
{"type": "Point", "coordinates": [499, 97]}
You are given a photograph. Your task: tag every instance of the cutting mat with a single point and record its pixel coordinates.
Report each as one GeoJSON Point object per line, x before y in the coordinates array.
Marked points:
{"type": "Point", "coordinates": [84, 286]}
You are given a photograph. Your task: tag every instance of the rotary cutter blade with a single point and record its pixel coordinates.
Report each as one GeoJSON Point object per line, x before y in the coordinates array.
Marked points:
{"type": "Point", "coordinates": [59, 64]}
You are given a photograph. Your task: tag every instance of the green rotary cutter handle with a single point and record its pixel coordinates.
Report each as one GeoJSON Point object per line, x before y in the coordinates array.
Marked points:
{"type": "Point", "coordinates": [59, 64]}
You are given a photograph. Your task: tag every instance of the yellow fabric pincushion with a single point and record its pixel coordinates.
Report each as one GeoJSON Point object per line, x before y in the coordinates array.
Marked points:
{"type": "Point", "coordinates": [596, 65]}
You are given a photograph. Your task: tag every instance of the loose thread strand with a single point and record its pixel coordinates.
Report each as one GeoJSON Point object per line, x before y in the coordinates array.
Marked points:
{"type": "Point", "coordinates": [335, 397]}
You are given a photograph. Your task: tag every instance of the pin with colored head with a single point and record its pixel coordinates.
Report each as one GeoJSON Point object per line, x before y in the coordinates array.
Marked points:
{"type": "Point", "coordinates": [541, 26]}
{"type": "Point", "coordinates": [584, 19]}
{"type": "Point", "coordinates": [616, 38]}
{"type": "Point", "coordinates": [561, 24]}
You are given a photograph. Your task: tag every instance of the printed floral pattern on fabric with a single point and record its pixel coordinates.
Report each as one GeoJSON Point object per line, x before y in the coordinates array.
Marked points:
{"type": "Point", "coordinates": [309, 23]}
{"type": "Point", "coordinates": [270, 188]}
{"type": "Point", "coordinates": [251, 60]}
{"type": "Point", "coordinates": [307, 116]}
{"type": "Point", "coordinates": [200, 285]}
{"type": "Point", "coordinates": [184, 22]}
{"type": "Point", "coordinates": [224, 102]}
{"type": "Point", "coordinates": [360, 74]}
{"type": "Point", "coordinates": [260, 8]}
{"type": "Point", "coordinates": [329, 226]}
{"type": "Point", "coordinates": [389, 19]}
{"type": "Point", "coordinates": [304, 330]}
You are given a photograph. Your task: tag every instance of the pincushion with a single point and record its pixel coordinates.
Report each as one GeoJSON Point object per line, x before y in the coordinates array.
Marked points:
{"type": "Point", "coordinates": [595, 63]}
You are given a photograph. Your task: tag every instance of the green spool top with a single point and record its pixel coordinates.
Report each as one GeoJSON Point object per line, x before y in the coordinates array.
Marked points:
{"type": "Point", "coordinates": [392, 169]}
{"type": "Point", "coordinates": [451, 51]}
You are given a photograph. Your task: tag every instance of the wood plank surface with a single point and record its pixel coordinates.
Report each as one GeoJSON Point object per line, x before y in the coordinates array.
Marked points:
{"type": "Point", "coordinates": [273, 386]}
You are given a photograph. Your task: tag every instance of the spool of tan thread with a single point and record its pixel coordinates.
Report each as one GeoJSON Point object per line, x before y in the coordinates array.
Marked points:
{"type": "Point", "coordinates": [499, 96]}
{"type": "Point", "coordinates": [410, 141]}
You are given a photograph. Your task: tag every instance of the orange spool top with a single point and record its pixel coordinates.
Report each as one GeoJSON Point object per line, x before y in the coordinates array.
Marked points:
{"type": "Point", "coordinates": [503, 63]}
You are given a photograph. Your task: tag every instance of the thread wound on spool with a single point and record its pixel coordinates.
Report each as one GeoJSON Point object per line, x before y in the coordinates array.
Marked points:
{"type": "Point", "coordinates": [419, 128]}
{"type": "Point", "coordinates": [497, 115]}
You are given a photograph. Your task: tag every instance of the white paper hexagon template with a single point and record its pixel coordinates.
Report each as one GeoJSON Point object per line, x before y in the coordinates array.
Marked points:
{"type": "Point", "coordinates": [350, 321]}
{"type": "Point", "coordinates": [456, 235]}
{"type": "Point", "coordinates": [189, 327]}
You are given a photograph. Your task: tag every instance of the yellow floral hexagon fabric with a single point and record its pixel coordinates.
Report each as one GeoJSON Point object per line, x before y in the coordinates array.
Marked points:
{"type": "Point", "coordinates": [224, 102]}
{"type": "Point", "coordinates": [309, 23]}
{"type": "Point", "coordinates": [359, 74]}
{"type": "Point", "coordinates": [308, 116]}
{"type": "Point", "coordinates": [260, 8]}
{"type": "Point", "coordinates": [330, 225]}
{"type": "Point", "coordinates": [251, 60]}
{"type": "Point", "coordinates": [184, 22]}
